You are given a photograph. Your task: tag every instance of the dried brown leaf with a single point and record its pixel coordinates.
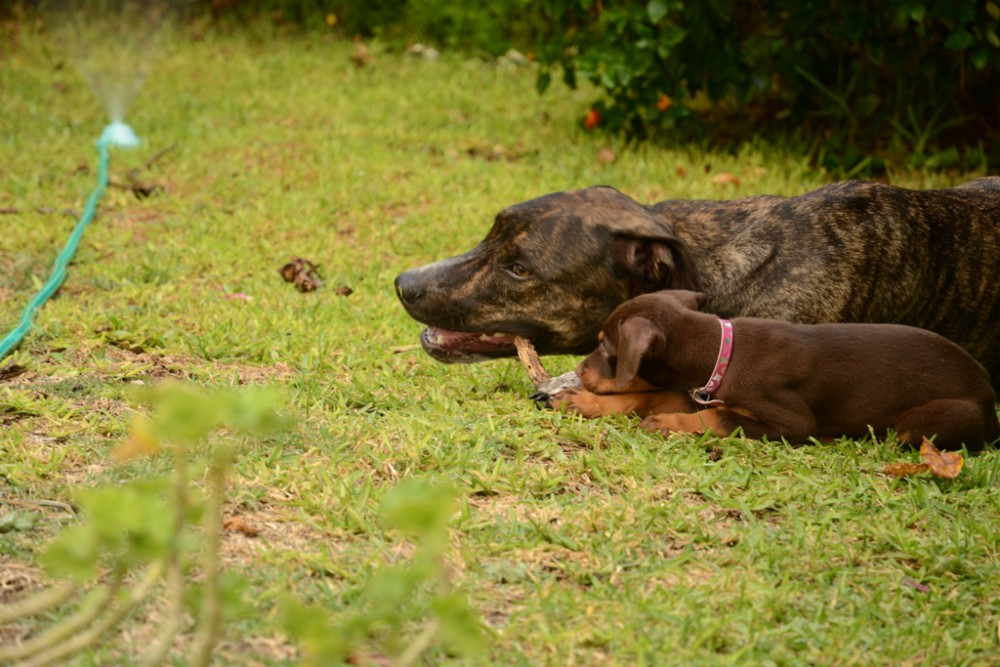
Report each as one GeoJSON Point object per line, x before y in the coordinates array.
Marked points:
{"type": "Point", "coordinates": [238, 524]}
{"type": "Point", "coordinates": [303, 274]}
{"type": "Point", "coordinates": [904, 469]}
{"type": "Point", "coordinates": [725, 178]}
{"type": "Point", "coordinates": [942, 464]}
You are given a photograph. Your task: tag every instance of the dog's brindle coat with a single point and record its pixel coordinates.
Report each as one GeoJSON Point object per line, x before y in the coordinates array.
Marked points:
{"type": "Point", "coordinates": [552, 269]}
{"type": "Point", "coordinates": [788, 380]}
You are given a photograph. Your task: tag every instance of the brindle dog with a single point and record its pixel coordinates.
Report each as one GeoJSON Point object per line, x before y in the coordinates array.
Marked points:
{"type": "Point", "coordinates": [552, 269]}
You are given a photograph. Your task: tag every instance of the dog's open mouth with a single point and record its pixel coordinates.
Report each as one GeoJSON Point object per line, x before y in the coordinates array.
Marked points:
{"type": "Point", "coordinates": [454, 347]}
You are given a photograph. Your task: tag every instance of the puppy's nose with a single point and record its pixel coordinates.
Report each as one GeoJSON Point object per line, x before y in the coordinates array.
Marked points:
{"type": "Point", "coordinates": [408, 288]}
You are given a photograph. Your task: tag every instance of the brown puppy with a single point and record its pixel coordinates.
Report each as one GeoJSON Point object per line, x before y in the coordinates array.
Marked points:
{"type": "Point", "coordinates": [785, 380]}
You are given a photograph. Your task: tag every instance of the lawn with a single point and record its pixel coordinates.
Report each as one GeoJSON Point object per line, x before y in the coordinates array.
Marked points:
{"type": "Point", "coordinates": [575, 542]}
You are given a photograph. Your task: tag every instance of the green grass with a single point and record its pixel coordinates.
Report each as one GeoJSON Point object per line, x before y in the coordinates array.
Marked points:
{"type": "Point", "coordinates": [577, 542]}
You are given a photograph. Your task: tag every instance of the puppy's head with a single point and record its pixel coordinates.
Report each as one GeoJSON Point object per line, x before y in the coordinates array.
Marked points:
{"type": "Point", "coordinates": [636, 331]}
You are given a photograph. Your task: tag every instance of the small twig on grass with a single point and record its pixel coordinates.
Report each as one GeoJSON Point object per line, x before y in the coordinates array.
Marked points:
{"type": "Point", "coordinates": [137, 187]}
{"type": "Point", "coordinates": [38, 504]}
{"type": "Point", "coordinates": [157, 156]}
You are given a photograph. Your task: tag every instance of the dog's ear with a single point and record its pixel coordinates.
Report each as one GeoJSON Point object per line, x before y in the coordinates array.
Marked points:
{"type": "Point", "coordinates": [690, 300]}
{"type": "Point", "coordinates": [663, 262]}
{"type": "Point", "coordinates": [637, 338]}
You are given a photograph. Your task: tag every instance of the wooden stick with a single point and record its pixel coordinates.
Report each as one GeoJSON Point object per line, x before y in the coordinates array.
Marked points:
{"type": "Point", "coordinates": [529, 357]}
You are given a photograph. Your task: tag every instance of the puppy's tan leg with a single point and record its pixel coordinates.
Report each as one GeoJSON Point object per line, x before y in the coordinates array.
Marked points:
{"type": "Point", "coordinates": [641, 404]}
{"type": "Point", "coordinates": [718, 420]}
{"type": "Point", "coordinates": [796, 426]}
{"type": "Point", "coordinates": [954, 422]}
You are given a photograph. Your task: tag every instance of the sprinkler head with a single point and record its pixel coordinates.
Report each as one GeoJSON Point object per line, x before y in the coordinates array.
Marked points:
{"type": "Point", "coordinates": [119, 134]}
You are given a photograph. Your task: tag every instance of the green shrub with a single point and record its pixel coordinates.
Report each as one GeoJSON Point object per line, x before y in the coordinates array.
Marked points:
{"type": "Point", "coordinates": [857, 76]}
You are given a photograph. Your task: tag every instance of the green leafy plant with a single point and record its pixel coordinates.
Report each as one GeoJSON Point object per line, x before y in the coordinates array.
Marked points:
{"type": "Point", "coordinates": [418, 591]}
{"type": "Point", "coordinates": [139, 534]}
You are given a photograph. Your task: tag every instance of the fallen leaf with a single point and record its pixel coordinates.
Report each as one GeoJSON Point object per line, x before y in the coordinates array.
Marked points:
{"type": "Point", "coordinates": [237, 524]}
{"type": "Point", "coordinates": [904, 469]}
{"type": "Point", "coordinates": [725, 178]}
{"type": "Point", "coordinates": [343, 290]}
{"type": "Point", "coordinates": [237, 296]}
{"type": "Point", "coordinates": [606, 156]}
{"type": "Point", "coordinates": [942, 464]}
{"type": "Point", "coordinates": [682, 171]}
{"type": "Point", "coordinates": [303, 274]}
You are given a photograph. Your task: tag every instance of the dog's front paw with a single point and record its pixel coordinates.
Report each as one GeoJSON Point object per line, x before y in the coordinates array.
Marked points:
{"type": "Point", "coordinates": [579, 401]}
{"type": "Point", "coordinates": [666, 424]}
{"type": "Point", "coordinates": [670, 423]}
{"type": "Point", "coordinates": [655, 423]}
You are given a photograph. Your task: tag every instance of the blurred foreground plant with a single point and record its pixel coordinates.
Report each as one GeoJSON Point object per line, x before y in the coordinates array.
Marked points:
{"type": "Point", "coordinates": [136, 535]}
{"type": "Point", "coordinates": [421, 510]}
{"type": "Point", "coordinates": [141, 534]}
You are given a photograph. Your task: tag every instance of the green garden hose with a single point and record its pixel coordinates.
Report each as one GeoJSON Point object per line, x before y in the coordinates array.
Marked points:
{"type": "Point", "coordinates": [110, 136]}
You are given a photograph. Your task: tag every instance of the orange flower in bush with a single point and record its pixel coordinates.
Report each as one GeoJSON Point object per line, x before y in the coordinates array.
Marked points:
{"type": "Point", "coordinates": [664, 102]}
{"type": "Point", "coordinates": [592, 120]}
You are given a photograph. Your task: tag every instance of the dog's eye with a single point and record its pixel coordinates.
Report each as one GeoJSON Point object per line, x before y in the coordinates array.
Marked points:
{"type": "Point", "coordinates": [519, 270]}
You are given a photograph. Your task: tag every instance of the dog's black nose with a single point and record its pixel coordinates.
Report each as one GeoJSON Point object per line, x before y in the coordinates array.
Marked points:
{"type": "Point", "coordinates": [408, 288]}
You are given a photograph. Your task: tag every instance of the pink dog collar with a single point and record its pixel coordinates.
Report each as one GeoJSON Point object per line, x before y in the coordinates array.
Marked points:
{"type": "Point", "coordinates": [703, 395]}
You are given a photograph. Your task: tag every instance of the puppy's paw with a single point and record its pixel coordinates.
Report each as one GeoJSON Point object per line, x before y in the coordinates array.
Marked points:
{"type": "Point", "coordinates": [675, 422]}
{"type": "Point", "coordinates": [580, 401]}
{"type": "Point", "coordinates": [656, 424]}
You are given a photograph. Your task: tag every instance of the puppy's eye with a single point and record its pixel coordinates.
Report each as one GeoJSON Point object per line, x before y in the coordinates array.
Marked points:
{"type": "Point", "coordinates": [519, 270]}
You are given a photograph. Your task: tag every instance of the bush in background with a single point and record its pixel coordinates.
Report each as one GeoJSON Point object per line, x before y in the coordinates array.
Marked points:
{"type": "Point", "coordinates": [917, 76]}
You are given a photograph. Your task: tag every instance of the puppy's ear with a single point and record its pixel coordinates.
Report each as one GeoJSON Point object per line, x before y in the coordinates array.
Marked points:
{"type": "Point", "coordinates": [690, 300]}
{"type": "Point", "coordinates": [637, 338]}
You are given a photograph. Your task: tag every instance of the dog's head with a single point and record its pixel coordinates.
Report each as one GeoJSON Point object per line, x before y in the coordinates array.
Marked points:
{"type": "Point", "coordinates": [551, 270]}
{"type": "Point", "coordinates": [632, 353]}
